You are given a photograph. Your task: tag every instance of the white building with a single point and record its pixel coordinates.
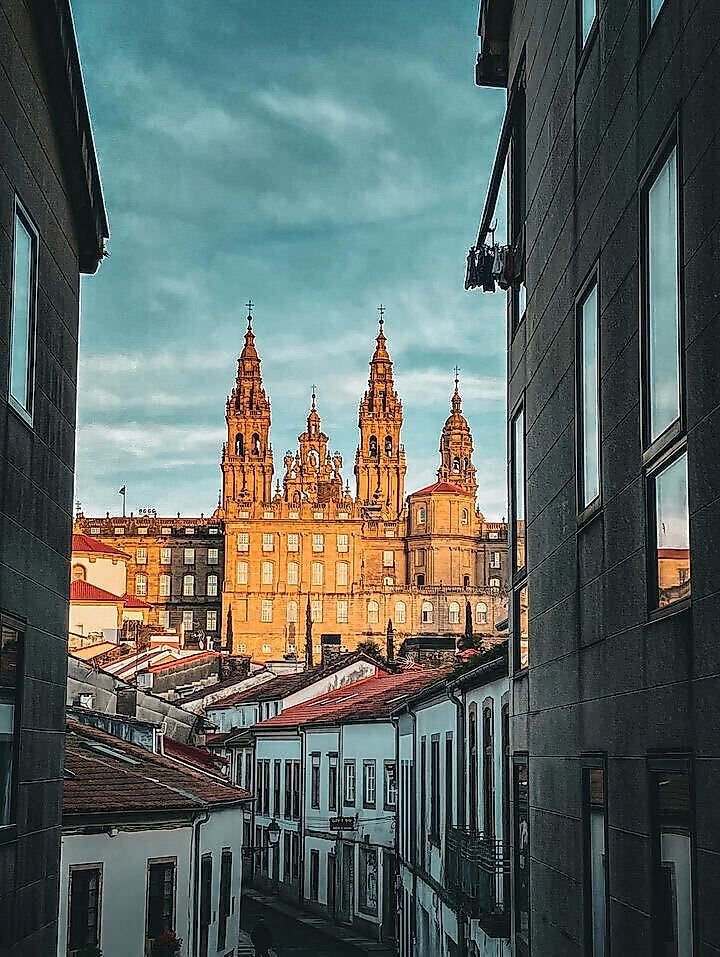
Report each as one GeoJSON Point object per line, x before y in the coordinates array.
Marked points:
{"type": "Point", "coordinates": [453, 755]}
{"type": "Point", "coordinates": [149, 846]}
{"type": "Point", "coordinates": [326, 772]}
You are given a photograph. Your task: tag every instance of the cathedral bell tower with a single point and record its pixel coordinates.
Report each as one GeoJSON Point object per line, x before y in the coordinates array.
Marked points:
{"type": "Point", "coordinates": [456, 447]}
{"type": "Point", "coordinates": [380, 459]}
{"type": "Point", "coordinates": [247, 458]}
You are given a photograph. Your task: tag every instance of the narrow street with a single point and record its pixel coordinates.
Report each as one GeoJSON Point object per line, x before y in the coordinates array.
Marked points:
{"type": "Point", "coordinates": [291, 938]}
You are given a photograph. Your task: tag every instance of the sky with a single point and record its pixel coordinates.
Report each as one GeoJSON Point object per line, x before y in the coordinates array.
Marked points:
{"type": "Point", "coordinates": [319, 158]}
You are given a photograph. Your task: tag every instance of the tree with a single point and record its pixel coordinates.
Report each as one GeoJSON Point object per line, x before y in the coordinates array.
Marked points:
{"type": "Point", "coordinates": [468, 639]}
{"type": "Point", "coordinates": [308, 636]}
{"type": "Point", "coordinates": [372, 649]}
{"type": "Point", "coordinates": [390, 641]}
{"type": "Point", "coordinates": [229, 630]}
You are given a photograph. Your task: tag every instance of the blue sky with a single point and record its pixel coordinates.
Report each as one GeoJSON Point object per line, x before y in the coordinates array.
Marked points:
{"type": "Point", "coordinates": [319, 158]}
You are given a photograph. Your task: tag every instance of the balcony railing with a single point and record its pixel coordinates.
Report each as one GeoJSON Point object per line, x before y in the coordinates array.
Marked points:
{"type": "Point", "coordinates": [478, 872]}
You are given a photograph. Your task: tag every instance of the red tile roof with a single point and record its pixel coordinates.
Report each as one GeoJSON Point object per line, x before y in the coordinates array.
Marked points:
{"type": "Point", "coordinates": [86, 543]}
{"type": "Point", "coordinates": [132, 601]}
{"type": "Point", "coordinates": [284, 685]}
{"type": "Point", "coordinates": [366, 700]}
{"type": "Point", "coordinates": [201, 758]}
{"type": "Point", "coordinates": [184, 660]}
{"type": "Point", "coordinates": [86, 591]}
{"type": "Point", "coordinates": [105, 775]}
{"type": "Point", "coordinates": [441, 487]}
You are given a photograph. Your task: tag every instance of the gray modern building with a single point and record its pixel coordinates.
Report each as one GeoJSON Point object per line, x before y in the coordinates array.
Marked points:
{"type": "Point", "coordinates": [52, 228]}
{"type": "Point", "coordinates": [611, 144]}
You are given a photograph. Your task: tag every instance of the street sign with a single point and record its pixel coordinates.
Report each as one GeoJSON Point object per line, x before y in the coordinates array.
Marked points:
{"type": "Point", "coordinates": [343, 824]}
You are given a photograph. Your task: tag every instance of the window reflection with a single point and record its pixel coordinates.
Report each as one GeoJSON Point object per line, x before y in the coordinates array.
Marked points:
{"type": "Point", "coordinates": [589, 396]}
{"type": "Point", "coordinates": [518, 488]}
{"type": "Point", "coordinates": [522, 627]}
{"type": "Point", "coordinates": [663, 300]}
{"type": "Point", "coordinates": [673, 864]}
{"type": "Point", "coordinates": [672, 533]}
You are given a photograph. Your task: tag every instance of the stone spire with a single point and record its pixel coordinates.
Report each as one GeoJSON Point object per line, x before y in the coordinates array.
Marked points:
{"type": "Point", "coordinates": [456, 446]}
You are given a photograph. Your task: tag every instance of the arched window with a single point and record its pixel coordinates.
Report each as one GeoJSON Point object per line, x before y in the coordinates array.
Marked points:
{"type": "Point", "coordinates": [317, 573]}
{"type": "Point", "coordinates": [292, 612]}
{"type": "Point", "coordinates": [465, 516]}
{"type": "Point", "coordinates": [293, 573]}
{"type": "Point", "coordinates": [373, 613]}
{"type": "Point", "coordinates": [487, 766]}
{"type": "Point", "coordinates": [454, 613]}
{"type": "Point", "coordinates": [79, 574]}
{"type": "Point", "coordinates": [268, 573]}
{"type": "Point", "coordinates": [312, 458]}
{"type": "Point", "coordinates": [239, 445]}
{"type": "Point", "coordinates": [422, 515]}
{"type": "Point", "coordinates": [242, 573]}
{"type": "Point", "coordinates": [473, 763]}
{"type": "Point", "coordinates": [256, 444]}
{"type": "Point", "coordinates": [388, 446]}
{"type": "Point", "coordinates": [212, 586]}
{"type": "Point", "coordinates": [188, 585]}
{"type": "Point", "coordinates": [373, 446]}
{"type": "Point", "coordinates": [481, 613]}
{"type": "Point", "coordinates": [427, 613]}
{"type": "Point", "coordinates": [494, 582]}
{"type": "Point", "coordinates": [141, 585]}
{"type": "Point", "coordinates": [456, 464]}
{"type": "Point", "coordinates": [400, 613]}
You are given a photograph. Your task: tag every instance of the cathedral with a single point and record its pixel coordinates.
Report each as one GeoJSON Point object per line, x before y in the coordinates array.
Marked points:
{"type": "Point", "coordinates": [309, 550]}
{"type": "Point", "coordinates": [296, 553]}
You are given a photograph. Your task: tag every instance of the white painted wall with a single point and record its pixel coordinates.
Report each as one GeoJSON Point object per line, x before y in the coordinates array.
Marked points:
{"type": "Point", "coordinates": [124, 882]}
{"type": "Point", "coordinates": [103, 617]}
{"type": "Point", "coordinates": [105, 572]}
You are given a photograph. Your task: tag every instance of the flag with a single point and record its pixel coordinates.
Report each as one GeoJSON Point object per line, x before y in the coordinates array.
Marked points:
{"type": "Point", "coordinates": [122, 491]}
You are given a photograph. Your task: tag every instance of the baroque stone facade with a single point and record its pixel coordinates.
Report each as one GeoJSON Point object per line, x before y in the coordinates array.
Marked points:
{"type": "Point", "coordinates": [309, 549]}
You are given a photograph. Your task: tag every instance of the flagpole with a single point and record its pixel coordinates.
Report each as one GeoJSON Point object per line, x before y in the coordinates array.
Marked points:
{"type": "Point", "coordinates": [123, 492]}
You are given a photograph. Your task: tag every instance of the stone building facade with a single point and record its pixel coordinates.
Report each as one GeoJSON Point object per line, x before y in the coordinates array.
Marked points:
{"type": "Point", "coordinates": [52, 229]}
{"type": "Point", "coordinates": [279, 551]}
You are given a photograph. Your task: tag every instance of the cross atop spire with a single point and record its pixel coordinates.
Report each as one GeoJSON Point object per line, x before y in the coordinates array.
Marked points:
{"type": "Point", "coordinates": [250, 305]}
{"type": "Point", "coordinates": [457, 377]}
{"type": "Point", "coordinates": [381, 312]}
{"type": "Point", "coordinates": [314, 395]}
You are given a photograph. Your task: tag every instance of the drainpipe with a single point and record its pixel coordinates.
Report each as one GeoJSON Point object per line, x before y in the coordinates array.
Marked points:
{"type": "Point", "coordinates": [194, 916]}
{"type": "Point", "coordinates": [459, 703]}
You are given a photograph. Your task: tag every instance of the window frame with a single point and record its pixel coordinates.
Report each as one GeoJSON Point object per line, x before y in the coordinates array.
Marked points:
{"type": "Point", "coordinates": [369, 783]}
{"type": "Point", "coordinates": [224, 907]}
{"type": "Point", "coordinates": [670, 141]}
{"type": "Point", "coordinates": [8, 830]}
{"type": "Point", "coordinates": [21, 213]}
{"type": "Point", "coordinates": [678, 762]}
{"type": "Point", "coordinates": [154, 861]}
{"type": "Point", "coordinates": [72, 870]}
{"type": "Point", "coordinates": [584, 40]}
{"type": "Point", "coordinates": [390, 785]}
{"type": "Point", "coordinates": [595, 761]}
{"type": "Point", "coordinates": [523, 948]}
{"type": "Point", "coordinates": [592, 283]}
{"type": "Point", "coordinates": [655, 610]}
{"type": "Point", "coordinates": [349, 763]}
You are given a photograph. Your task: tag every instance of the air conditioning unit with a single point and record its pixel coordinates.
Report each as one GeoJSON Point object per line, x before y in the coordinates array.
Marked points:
{"type": "Point", "coordinates": [144, 680]}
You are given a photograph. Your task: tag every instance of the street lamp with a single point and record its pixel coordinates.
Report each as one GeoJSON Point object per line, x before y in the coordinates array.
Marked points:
{"type": "Point", "coordinates": [273, 833]}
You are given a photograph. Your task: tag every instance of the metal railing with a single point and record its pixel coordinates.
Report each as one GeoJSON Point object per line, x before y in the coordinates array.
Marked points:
{"type": "Point", "coordinates": [478, 871]}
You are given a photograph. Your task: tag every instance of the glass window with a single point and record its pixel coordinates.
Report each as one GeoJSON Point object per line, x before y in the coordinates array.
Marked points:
{"type": "Point", "coordinates": [160, 898]}
{"type": "Point", "coordinates": [521, 627]}
{"type": "Point", "coordinates": [212, 586]}
{"type": "Point", "coordinates": [488, 777]}
{"type": "Point", "coordinates": [589, 398]}
{"type": "Point", "coordinates": [341, 574]}
{"type": "Point", "coordinates": [369, 783]}
{"type": "Point", "coordinates": [522, 856]}
{"type": "Point", "coordinates": [266, 610]}
{"type": "Point", "coordinates": [165, 556]}
{"type": "Point", "coordinates": [187, 620]}
{"type": "Point", "coordinates": [421, 515]}
{"type": "Point", "coordinates": [588, 15]}
{"type": "Point", "coordinates": [315, 780]}
{"type": "Point", "coordinates": [518, 489]}
{"type": "Point", "coordinates": [400, 613]}
{"type": "Point", "coordinates": [481, 613]}
{"type": "Point", "coordinates": [268, 542]}
{"type": "Point", "coordinates": [342, 611]}
{"type": "Point", "coordinates": [662, 292]}
{"type": "Point", "coordinates": [596, 862]}
{"type": "Point", "coordinates": [368, 887]}
{"type": "Point", "coordinates": [314, 874]}
{"type": "Point", "coordinates": [317, 573]}
{"type": "Point", "coordinates": [211, 620]}
{"type": "Point", "coordinates": [292, 612]}
{"type": "Point", "coordinates": [316, 610]}
{"type": "Point", "coordinates": [267, 573]}
{"type": "Point", "coordinates": [22, 314]}
{"type": "Point", "coordinates": [390, 784]}
{"type": "Point", "coordinates": [293, 573]}
{"type": "Point", "coordinates": [373, 613]}
{"type": "Point", "coordinates": [243, 542]}
{"type": "Point", "coordinates": [242, 573]}
{"type": "Point", "coordinates": [213, 556]}
{"type": "Point", "coordinates": [164, 619]}
{"type": "Point", "coordinates": [9, 650]}
{"type": "Point", "coordinates": [655, 7]}
{"type": "Point", "coordinates": [454, 613]}
{"type": "Point", "coordinates": [349, 783]}
{"type": "Point", "coordinates": [388, 559]}
{"type": "Point", "coordinates": [188, 585]}
{"type": "Point", "coordinates": [141, 556]}
{"type": "Point", "coordinates": [318, 543]}
{"type": "Point", "coordinates": [465, 517]}
{"type": "Point", "coordinates": [427, 613]}
{"type": "Point", "coordinates": [332, 782]}
{"type": "Point", "coordinates": [672, 860]}
{"type": "Point", "coordinates": [225, 897]}
{"type": "Point", "coordinates": [293, 542]}
{"type": "Point", "coordinates": [343, 543]}
{"type": "Point", "coordinates": [141, 586]}
{"type": "Point", "coordinates": [189, 556]}
{"type": "Point", "coordinates": [494, 583]}
{"type": "Point", "coordinates": [84, 907]}
{"type": "Point", "coordinates": [672, 533]}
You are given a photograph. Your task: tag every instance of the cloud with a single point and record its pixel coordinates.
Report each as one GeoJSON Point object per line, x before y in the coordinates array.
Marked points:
{"type": "Point", "coordinates": [325, 116]}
